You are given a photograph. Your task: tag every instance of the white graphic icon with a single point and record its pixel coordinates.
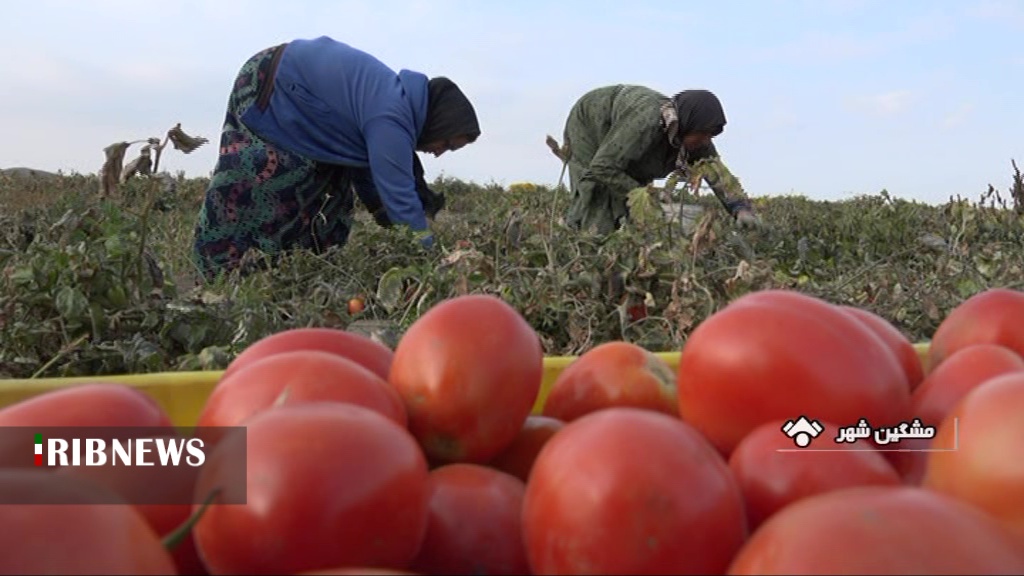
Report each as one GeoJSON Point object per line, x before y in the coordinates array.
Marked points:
{"type": "Point", "coordinates": [802, 430]}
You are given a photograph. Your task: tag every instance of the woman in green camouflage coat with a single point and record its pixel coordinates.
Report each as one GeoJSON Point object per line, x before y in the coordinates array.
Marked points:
{"type": "Point", "coordinates": [622, 137]}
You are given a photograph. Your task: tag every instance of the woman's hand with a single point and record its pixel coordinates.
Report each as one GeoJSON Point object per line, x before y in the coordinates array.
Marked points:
{"type": "Point", "coordinates": [746, 218]}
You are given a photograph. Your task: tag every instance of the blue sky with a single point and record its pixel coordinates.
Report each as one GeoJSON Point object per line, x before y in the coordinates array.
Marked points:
{"type": "Point", "coordinates": [826, 98]}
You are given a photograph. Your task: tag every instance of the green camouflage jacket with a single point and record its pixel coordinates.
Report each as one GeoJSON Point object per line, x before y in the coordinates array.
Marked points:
{"type": "Point", "coordinates": [617, 141]}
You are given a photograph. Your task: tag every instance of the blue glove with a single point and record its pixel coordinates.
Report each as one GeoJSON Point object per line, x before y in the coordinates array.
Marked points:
{"type": "Point", "coordinates": [427, 241]}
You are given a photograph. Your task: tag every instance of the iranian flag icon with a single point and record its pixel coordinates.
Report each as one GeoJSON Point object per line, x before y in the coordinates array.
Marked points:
{"type": "Point", "coordinates": [39, 449]}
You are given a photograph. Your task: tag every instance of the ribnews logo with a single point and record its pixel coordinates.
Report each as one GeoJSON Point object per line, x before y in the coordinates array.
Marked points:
{"type": "Point", "coordinates": [163, 451]}
{"type": "Point", "coordinates": [152, 465]}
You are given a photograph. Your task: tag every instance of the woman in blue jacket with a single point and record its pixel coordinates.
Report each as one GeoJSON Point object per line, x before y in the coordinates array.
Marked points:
{"type": "Point", "coordinates": [308, 123]}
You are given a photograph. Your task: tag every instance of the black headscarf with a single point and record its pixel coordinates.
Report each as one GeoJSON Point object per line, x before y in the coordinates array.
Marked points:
{"type": "Point", "coordinates": [449, 113]}
{"type": "Point", "coordinates": [699, 111]}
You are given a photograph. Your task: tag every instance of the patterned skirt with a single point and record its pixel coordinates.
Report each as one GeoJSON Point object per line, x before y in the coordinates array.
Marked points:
{"type": "Point", "coordinates": [263, 197]}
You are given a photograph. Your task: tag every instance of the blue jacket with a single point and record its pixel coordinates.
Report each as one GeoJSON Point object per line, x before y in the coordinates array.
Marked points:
{"type": "Point", "coordinates": [335, 104]}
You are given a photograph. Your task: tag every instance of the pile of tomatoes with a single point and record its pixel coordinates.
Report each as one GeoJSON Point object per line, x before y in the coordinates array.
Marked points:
{"type": "Point", "coordinates": [429, 459]}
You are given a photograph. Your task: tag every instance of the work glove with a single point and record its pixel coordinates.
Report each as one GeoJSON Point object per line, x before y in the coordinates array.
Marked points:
{"type": "Point", "coordinates": [374, 205]}
{"type": "Point", "coordinates": [426, 239]}
{"type": "Point", "coordinates": [746, 219]}
{"type": "Point", "coordinates": [433, 202]}
{"type": "Point", "coordinates": [380, 216]}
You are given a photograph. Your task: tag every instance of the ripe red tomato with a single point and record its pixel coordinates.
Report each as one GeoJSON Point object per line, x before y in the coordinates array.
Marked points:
{"type": "Point", "coordinates": [612, 374]}
{"type": "Point", "coordinates": [940, 391]}
{"type": "Point", "coordinates": [98, 404]}
{"type": "Point", "coordinates": [469, 371]}
{"type": "Point", "coordinates": [364, 351]}
{"type": "Point", "coordinates": [519, 457]}
{"type": "Point", "coordinates": [475, 524]}
{"type": "Point", "coordinates": [631, 491]}
{"type": "Point", "coordinates": [909, 457]}
{"type": "Point", "coordinates": [636, 312]}
{"type": "Point", "coordinates": [108, 405]}
{"type": "Point", "coordinates": [776, 354]}
{"type": "Point", "coordinates": [772, 473]}
{"type": "Point", "coordinates": [355, 306]}
{"type": "Point", "coordinates": [989, 317]}
{"type": "Point", "coordinates": [327, 485]}
{"type": "Point", "coordinates": [358, 572]}
{"type": "Point", "coordinates": [296, 377]}
{"type": "Point", "coordinates": [879, 530]}
{"type": "Point", "coordinates": [163, 497]}
{"type": "Point", "coordinates": [95, 535]}
{"type": "Point", "coordinates": [901, 346]}
{"type": "Point", "coordinates": [987, 469]}
{"type": "Point", "coordinates": [961, 372]}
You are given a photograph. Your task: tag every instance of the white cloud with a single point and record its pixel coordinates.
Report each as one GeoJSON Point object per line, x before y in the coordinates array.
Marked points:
{"type": "Point", "coordinates": [768, 117]}
{"type": "Point", "coordinates": [884, 104]}
{"type": "Point", "coordinates": [958, 117]}
{"type": "Point", "coordinates": [823, 46]}
{"type": "Point", "coordinates": [831, 47]}
{"type": "Point", "coordinates": [1003, 11]}
{"type": "Point", "coordinates": [846, 6]}
{"type": "Point", "coordinates": [33, 70]}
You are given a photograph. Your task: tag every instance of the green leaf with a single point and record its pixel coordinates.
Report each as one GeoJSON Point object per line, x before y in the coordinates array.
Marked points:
{"type": "Point", "coordinates": [23, 276]}
{"type": "Point", "coordinates": [71, 304]}
{"type": "Point", "coordinates": [967, 287]}
{"type": "Point", "coordinates": [391, 288]}
{"type": "Point", "coordinates": [115, 246]}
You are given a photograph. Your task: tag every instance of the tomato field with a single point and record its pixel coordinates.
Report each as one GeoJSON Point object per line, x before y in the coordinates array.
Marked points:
{"type": "Point", "coordinates": [389, 395]}
{"type": "Point", "coordinates": [105, 286]}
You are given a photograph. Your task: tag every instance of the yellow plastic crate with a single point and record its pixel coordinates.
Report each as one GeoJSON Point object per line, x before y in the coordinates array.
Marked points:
{"type": "Point", "coordinates": [183, 394]}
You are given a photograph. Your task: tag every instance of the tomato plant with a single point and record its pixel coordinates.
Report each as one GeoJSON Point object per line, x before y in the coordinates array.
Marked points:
{"type": "Point", "coordinates": [777, 355]}
{"type": "Point", "coordinates": [631, 491]}
{"type": "Point", "coordinates": [772, 474]}
{"type": "Point", "coordinates": [469, 371]}
{"type": "Point", "coordinates": [879, 530]}
{"type": "Point", "coordinates": [356, 347]}
{"type": "Point", "coordinates": [91, 531]}
{"type": "Point", "coordinates": [987, 468]}
{"type": "Point", "coordinates": [327, 484]}
{"type": "Point", "coordinates": [891, 336]}
{"type": "Point", "coordinates": [518, 458]}
{"type": "Point", "coordinates": [299, 376]}
{"type": "Point", "coordinates": [612, 374]}
{"type": "Point", "coordinates": [475, 523]}
{"type": "Point", "coordinates": [989, 317]}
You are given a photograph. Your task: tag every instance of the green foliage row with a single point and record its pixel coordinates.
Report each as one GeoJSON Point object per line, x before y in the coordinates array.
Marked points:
{"type": "Point", "coordinates": [94, 287]}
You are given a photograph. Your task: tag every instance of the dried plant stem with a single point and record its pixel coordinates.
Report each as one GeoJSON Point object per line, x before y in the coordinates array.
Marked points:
{"type": "Point", "coordinates": [140, 261]}
{"type": "Point", "coordinates": [60, 355]}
